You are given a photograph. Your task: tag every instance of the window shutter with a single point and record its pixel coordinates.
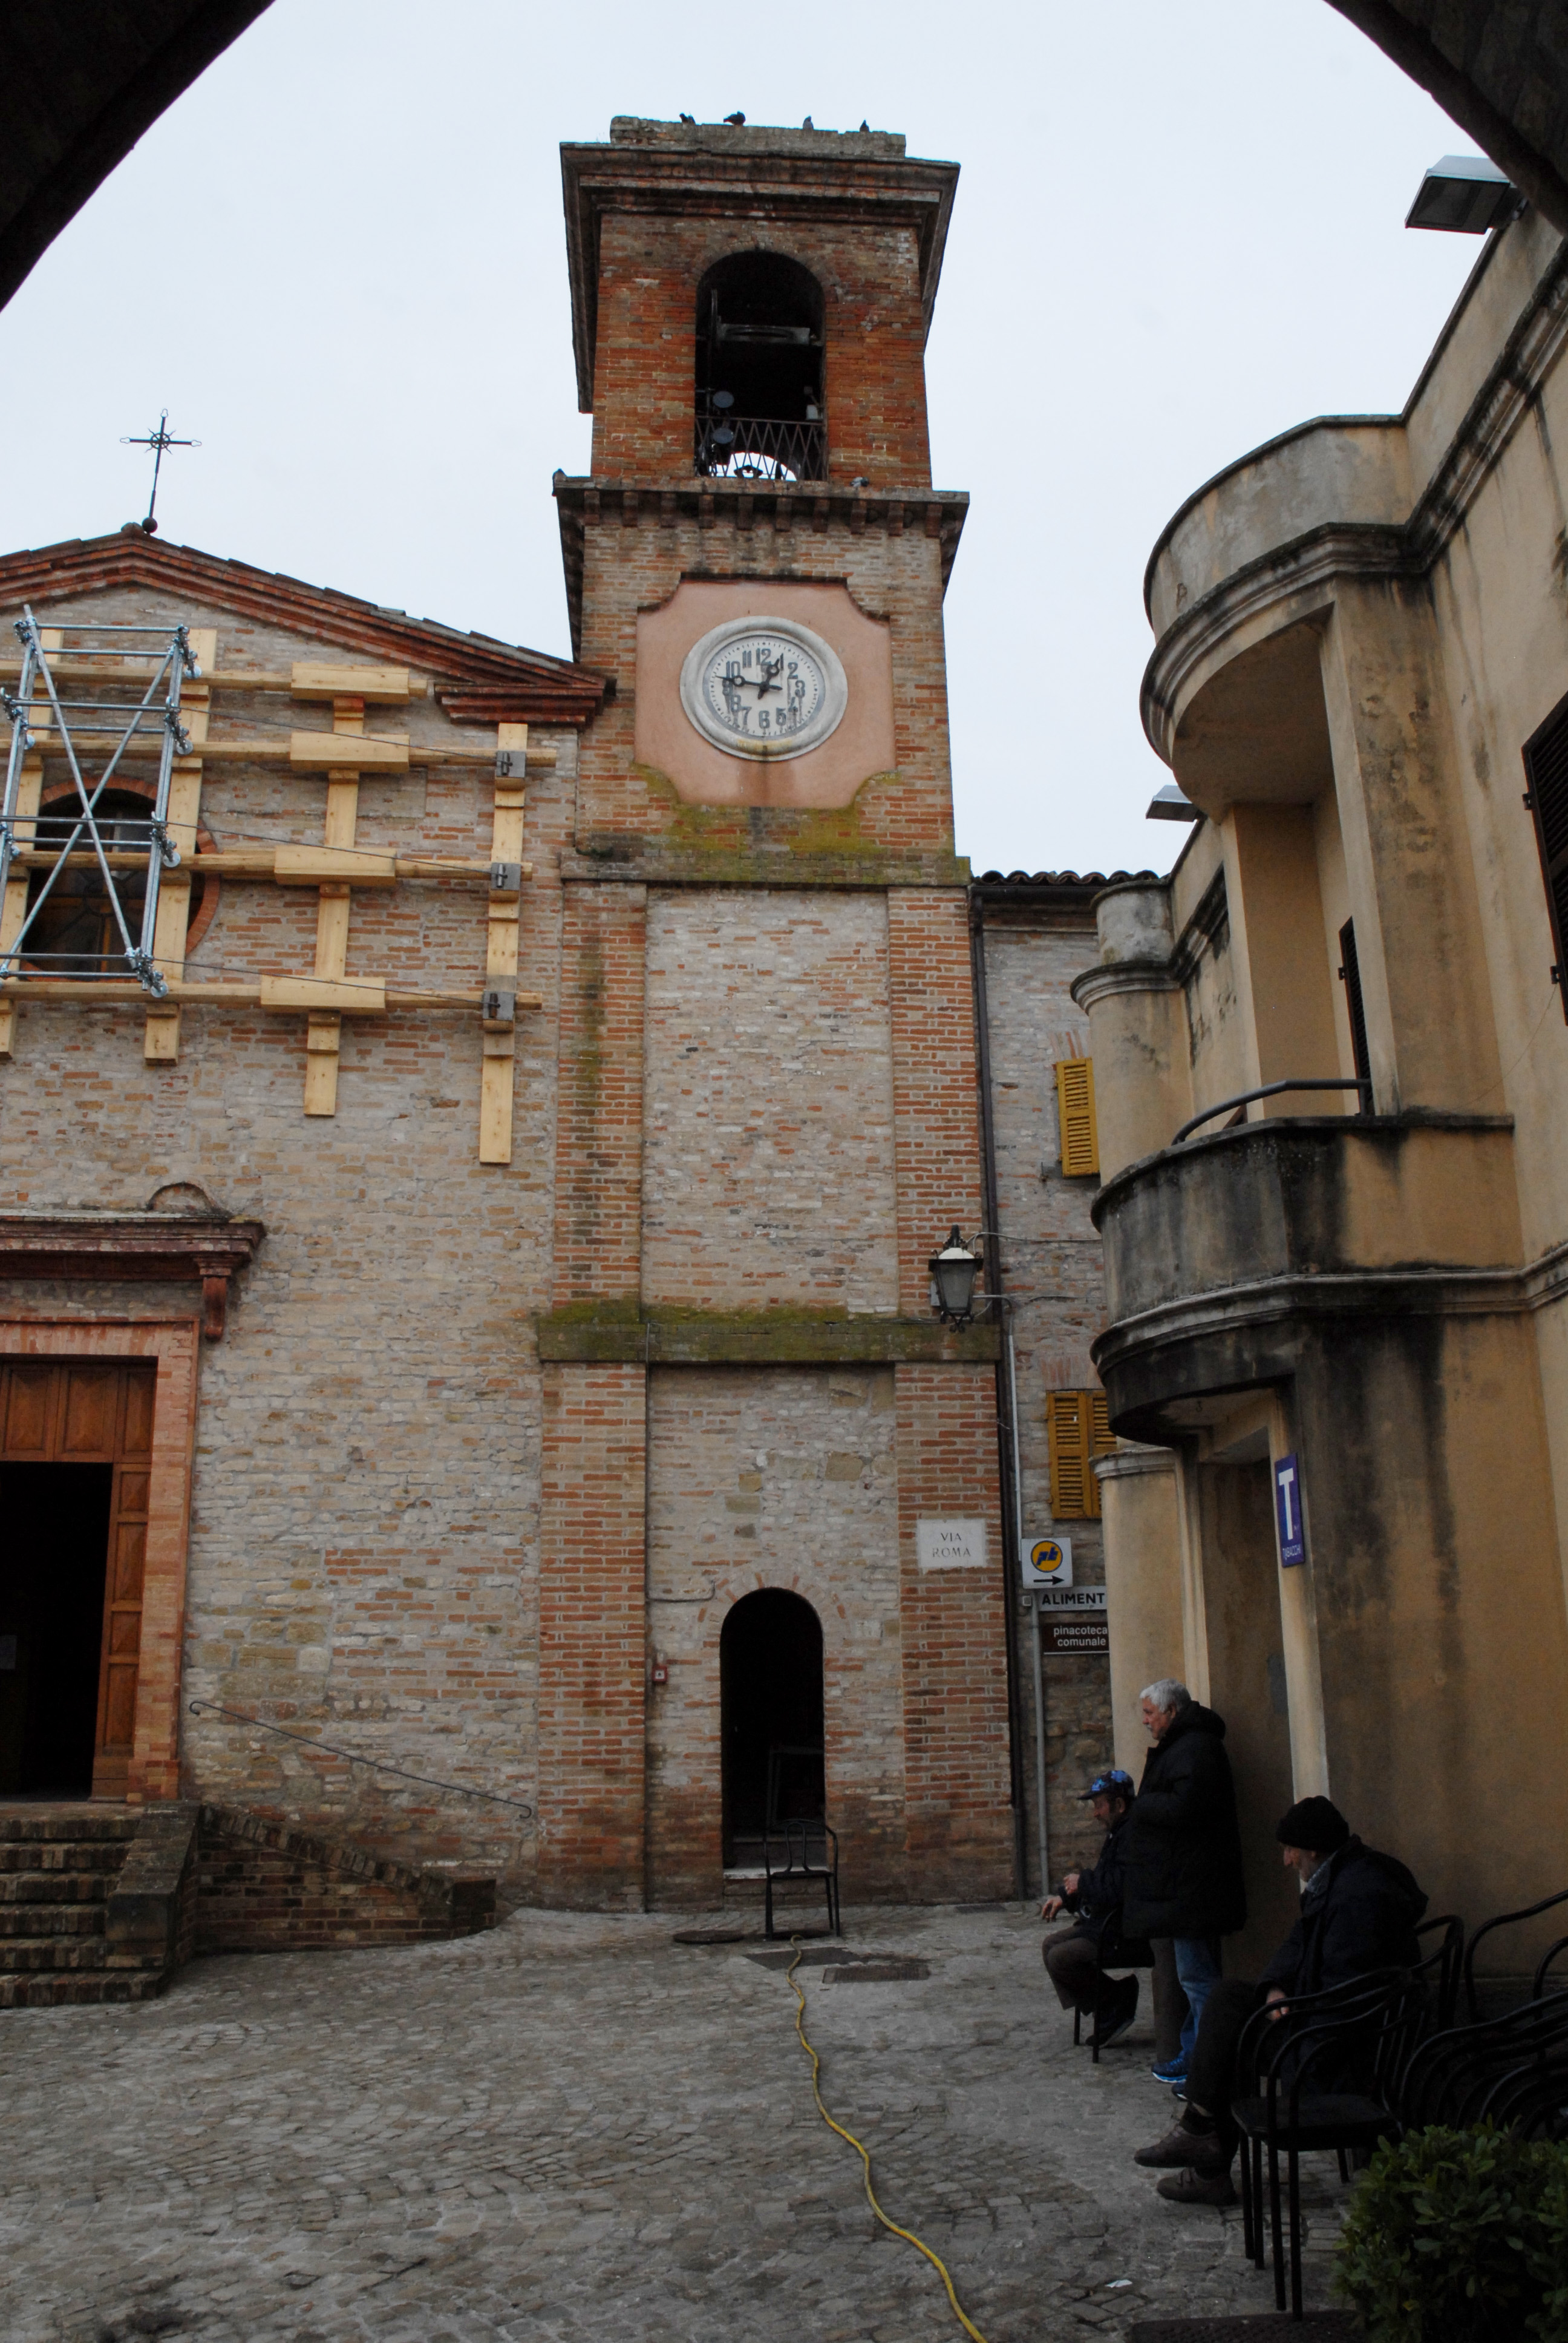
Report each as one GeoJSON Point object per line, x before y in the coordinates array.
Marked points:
{"type": "Point", "coordinates": [1075, 1107]}
{"type": "Point", "coordinates": [1546, 770]}
{"type": "Point", "coordinates": [1079, 1426]}
{"type": "Point", "coordinates": [1355, 1007]}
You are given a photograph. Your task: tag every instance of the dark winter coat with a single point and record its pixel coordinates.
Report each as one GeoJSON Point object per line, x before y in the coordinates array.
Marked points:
{"type": "Point", "coordinates": [1359, 1912]}
{"type": "Point", "coordinates": [1183, 1851]}
{"type": "Point", "coordinates": [1097, 1901]}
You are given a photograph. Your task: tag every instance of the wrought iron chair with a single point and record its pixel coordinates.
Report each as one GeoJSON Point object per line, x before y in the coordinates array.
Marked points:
{"type": "Point", "coordinates": [1369, 2022]}
{"type": "Point", "coordinates": [809, 1850]}
{"type": "Point", "coordinates": [1502, 1920]}
{"type": "Point", "coordinates": [1512, 2070]}
{"type": "Point", "coordinates": [1448, 1961]}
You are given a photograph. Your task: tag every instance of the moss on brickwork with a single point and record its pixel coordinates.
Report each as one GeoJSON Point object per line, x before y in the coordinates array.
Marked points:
{"type": "Point", "coordinates": [586, 1331]}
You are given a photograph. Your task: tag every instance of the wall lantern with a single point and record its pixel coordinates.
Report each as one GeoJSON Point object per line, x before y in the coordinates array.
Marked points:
{"type": "Point", "coordinates": [953, 1273]}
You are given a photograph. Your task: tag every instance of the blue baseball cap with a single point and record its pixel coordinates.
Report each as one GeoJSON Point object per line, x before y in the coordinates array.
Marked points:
{"type": "Point", "coordinates": [1114, 1784]}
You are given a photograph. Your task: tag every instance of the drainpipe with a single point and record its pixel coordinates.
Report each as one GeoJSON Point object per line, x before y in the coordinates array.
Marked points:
{"type": "Point", "coordinates": [1006, 1410]}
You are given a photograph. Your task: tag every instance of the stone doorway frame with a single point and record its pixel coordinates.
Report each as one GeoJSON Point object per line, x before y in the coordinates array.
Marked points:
{"type": "Point", "coordinates": [173, 1346]}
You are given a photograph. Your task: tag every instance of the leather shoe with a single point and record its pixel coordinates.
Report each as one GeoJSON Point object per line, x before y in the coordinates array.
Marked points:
{"type": "Point", "coordinates": [1179, 2147]}
{"type": "Point", "coordinates": [1196, 2186]}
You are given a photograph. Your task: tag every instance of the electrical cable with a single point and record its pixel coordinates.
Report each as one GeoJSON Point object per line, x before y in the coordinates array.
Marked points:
{"type": "Point", "coordinates": [971, 2330]}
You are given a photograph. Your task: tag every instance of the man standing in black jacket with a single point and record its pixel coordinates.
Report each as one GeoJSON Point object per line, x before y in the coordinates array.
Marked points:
{"type": "Point", "coordinates": [1358, 1914]}
{"type": "Point", "coordinates": [1076, 1961]}
{"type": "Point", "coordinates": [1183, 1849]}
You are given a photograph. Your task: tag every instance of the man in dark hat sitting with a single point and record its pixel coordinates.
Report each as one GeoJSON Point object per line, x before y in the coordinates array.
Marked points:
{"type": "Point", "coordinates": [1075, 1961]}
{"type": "Point", "coordinates": [1359, 1914]}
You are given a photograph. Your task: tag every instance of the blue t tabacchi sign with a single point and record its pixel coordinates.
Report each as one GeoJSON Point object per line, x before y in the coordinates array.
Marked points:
{"type": "Point", "coordinates": [1288, 1510]}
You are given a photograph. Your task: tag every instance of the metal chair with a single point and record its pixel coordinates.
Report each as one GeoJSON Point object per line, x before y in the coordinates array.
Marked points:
{"type": "Point", "coordinates": [1514, 2069]}
{"type": "Point", "coordinates": [1137, 1955]}
{"type": "Point", "coordinates": [1502, 1920]}
{"type": "Point", "coordinates": [1553, 1953]}
{"type": "Point", "coordinates": [1367, 2022]}
{"type": "Point", "coordinates": [1448, 1960]}
{"type": "Point", "coordinates": [810, 1851]}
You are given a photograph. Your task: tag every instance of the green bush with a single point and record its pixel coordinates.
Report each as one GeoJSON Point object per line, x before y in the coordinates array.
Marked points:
{"type": "Point", "coordinates": [1460, 2237]}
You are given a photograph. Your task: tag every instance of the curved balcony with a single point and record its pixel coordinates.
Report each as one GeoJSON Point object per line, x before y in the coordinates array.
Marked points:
{"type": "Point", "coordinates": [1218, 1253]}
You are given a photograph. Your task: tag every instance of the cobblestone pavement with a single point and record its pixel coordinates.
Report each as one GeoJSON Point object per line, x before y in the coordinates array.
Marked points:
{"type": "Point", "coordinates": [573, 2127]}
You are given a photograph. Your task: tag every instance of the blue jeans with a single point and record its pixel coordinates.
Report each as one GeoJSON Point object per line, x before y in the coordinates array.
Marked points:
{"type": "Point", "coordinates": [1198, 1970]}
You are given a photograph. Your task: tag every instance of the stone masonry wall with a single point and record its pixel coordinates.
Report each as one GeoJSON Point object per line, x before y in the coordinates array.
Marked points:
{"type": "Point", "coordinates": [1052, 1268]}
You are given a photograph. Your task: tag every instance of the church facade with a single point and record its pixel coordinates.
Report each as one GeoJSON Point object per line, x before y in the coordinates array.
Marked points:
{"type": "Point", "coordinates": [468, 1350]}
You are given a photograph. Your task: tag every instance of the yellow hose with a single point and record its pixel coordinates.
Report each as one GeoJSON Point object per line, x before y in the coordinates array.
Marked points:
{"type": "Point", "coordinates": [908, 2236]}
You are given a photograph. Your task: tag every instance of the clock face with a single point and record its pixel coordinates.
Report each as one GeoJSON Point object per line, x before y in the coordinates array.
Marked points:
{"type": "Point", "coordinates": [764, 688]}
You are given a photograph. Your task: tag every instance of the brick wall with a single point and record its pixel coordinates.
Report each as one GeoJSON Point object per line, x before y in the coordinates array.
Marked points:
{"type": "Point", "coordinates": [258, 1887]}
{"type": "Point", "coordinates": [958, 1824]}
{"type": "Point", "coordinates": [644, 386]}
{"type": "Point", "coordinates": [936, 1103]}
{"type": "Point", "coordinates": [599, 1161]}
{"type": "Point", "coordinates": [592, 1636]}
{"type": "Point", "coordinates": [774, 1477]}
{"type": "Point", "coordinates": [1051, 1269]}
{"type": "Point", "coordinates": [768, 1165]}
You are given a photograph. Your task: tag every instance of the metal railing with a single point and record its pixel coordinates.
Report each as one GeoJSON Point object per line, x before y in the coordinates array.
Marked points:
{"type": "Point", "coordinates": [759, 447]}
{"type": "Point", "coordinates": [372, 1764]}
{"type": "Point", "coordinates": [1272, 1089]}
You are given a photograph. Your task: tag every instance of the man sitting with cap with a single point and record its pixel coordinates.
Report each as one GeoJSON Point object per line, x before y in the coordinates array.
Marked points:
{"type": "Point", "coordinates": [1359, 1914]}
{"type": "Point", "coordinates": [1075, 1962]}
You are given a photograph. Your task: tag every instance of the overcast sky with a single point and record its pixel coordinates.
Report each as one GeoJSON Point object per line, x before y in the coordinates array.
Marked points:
{"type": "Point", "coordinates": [339, 262]}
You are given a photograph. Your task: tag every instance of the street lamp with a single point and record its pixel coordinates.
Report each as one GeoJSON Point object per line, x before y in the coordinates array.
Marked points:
{"type": "Point", "coordinates": [953, 1273]}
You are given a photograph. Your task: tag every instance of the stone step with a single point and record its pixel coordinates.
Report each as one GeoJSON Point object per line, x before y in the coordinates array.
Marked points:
{"type": "Point", "coordinates": [35, 1887]}
{"type": "Point", "coordinates": [56, 1989]}
{"type": "Point", "coordinates": [62, 1856]}
{"type": "Point", "coordinates": [21, 1954]}
{"type": "Point", "coordinates": [81, 1822]}
{"type": "Point", "coordinates": [36, 1920]}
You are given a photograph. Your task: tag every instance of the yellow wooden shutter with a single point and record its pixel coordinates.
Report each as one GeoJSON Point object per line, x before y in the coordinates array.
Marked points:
{"type": "Point", "coordinates": [1075, 1108]}
{"type": "Point", "coordinates": [1079, 1426]}
{"type": "Point", "coordinates": [1070, 1480]}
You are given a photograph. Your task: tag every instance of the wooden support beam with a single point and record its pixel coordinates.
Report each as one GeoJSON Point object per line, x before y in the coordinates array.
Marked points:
{"type": "Point", "coordinates": [378, 687]}
{"type": "Point", "coordinates": [161, 1035]}
{"type": "Point", "coordinates": [324, 1035]}
{"type": "Point", "coordinates": [291, 866]}
{"type": "Point", "coordinates": [356, 996]}
{"type": "Point", "coordinates": [498, 1066]}
{"type": "Point", "coordinates": [385, 752]}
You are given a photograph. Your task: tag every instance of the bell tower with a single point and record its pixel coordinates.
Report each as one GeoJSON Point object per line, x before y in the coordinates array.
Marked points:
{"type": "Point", "coordinates": [767, 1105]}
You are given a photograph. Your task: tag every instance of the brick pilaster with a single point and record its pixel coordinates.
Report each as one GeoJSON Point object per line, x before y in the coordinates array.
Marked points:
{"type": "Point", "coordinates": [599, 1136]}
{"type": "Point", "coordinates": [956, 1780]}
{"type": "Point", "coordinates": [592, 1636]}
{"type": "Point", "coordinates": [936, 1103]}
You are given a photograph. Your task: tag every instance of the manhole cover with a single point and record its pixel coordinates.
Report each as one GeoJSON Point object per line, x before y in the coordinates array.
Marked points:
{"type": "Point", "coordinates": [891, 1972]}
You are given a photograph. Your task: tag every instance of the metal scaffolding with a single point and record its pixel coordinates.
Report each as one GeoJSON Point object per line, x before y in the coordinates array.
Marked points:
{"type": "Point", "coordinates": [53, 843]}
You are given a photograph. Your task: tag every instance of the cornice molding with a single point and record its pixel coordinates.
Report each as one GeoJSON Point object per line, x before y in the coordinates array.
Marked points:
{"type": "Point", "coordinates": [478, 680]}
{"type": "Point", "coordinates": [806, 507]}
{"type": "Point", "coordinates": [1346, 547]}
{"type": "Point", "coordinates": [1131, 1459]}
{"type": "Point", "coordinates": [1104, 981]}
{"type": "Point", "coordinates": [172, 1248]}
{"type": "Point", "coordinates": [607, 1333]}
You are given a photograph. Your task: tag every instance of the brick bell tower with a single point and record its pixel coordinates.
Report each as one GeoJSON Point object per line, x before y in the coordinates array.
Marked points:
{"type": "Point", "coordinates": [771, 1571]}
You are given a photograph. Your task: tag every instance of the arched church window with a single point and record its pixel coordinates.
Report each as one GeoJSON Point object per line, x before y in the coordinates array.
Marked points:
{"type": "Point", "coordinates": [759, 406]}
{"type": "Point", "coordinates": [73, 932]}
